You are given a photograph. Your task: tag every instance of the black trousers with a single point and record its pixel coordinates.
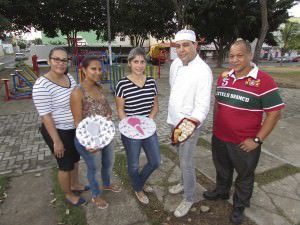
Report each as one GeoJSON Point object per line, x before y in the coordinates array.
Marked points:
{"type": "Point", "coordinates": [227, 157]}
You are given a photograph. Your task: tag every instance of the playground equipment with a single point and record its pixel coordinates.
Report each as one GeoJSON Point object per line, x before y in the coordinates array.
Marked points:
{"type": "Point", "coordinates": [110, 73]}
{"type": "Point", "coordinates": [103, 59]}
{"type": "Point", "coordinates": [22, 83]}
{"type": "Point", "coordinates": [158, 54]}
{"type": "Point", "coordinates": [35, 64]}
{"type": "Point", "coordinates": [118, 72]}
{"type": "Point", "coordinates": [152, 71]}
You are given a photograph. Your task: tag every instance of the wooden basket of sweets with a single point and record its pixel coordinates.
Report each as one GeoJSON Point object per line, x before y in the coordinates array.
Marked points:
{"type": "Point", "coordinates": [184, 129]}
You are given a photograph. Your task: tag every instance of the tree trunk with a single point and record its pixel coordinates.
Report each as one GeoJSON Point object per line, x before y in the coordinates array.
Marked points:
{"type": "Point", "coordinates": [219, 47]}
{"type": "Point", "coordinates": [220, 59]}
{"type": "Point", "coordinates": [68, 39]}
{"type": "Point", "coordinates": [142, 42]}
{"type": "Point", "coordinates": [282, 52]}
{"type": "Point", "coordinates": [263, 30]}
{"type": "Point", "coordinates": [132, 40]}
{"type": "Point", "coordinates": [137, 40]}
{"type": "Point", "coordinates": [181, 6]}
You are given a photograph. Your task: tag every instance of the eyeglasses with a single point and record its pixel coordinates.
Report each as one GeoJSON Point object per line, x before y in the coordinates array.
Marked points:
{"type": "Point", "coordinates": [58, 60]}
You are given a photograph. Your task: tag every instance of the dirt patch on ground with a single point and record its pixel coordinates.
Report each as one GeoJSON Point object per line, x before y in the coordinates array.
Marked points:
{"type": "Point", "coordinates": [219, 210]}
{"type": "Point", "coordinates": [28, 201]}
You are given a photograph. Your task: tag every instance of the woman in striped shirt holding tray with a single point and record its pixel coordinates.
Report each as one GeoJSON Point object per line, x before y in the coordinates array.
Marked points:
{"type": "Point", "coordinates": [136, 94]}
{"type": "Point", "coordinates": [51, 96]}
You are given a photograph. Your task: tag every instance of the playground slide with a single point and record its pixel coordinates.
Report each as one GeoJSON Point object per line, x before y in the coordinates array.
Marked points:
{"type": "Point", "coordinates": [25, 77]}
{"type": "Point", "coordinates": [22, 86]}
{"type": "Point", "coordinates": [117, 72]}
{"type": "Point", "coordinates": [30, 72]}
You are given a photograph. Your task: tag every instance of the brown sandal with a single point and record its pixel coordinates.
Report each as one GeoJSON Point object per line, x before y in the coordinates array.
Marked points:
{"type": "Point", "coordinates": [113, 188]}
{"type": "Point", "coordinates": [143, 199]}
{"type": "Point", "coordinates": [100, 203]}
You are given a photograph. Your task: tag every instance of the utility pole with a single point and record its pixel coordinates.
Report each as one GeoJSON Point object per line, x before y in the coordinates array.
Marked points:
{"type": "Point", "coordinates": [109, 33]}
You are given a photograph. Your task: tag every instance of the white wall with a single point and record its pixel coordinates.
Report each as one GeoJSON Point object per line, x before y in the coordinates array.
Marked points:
{"type": "Point", "coordinates": [33, 34]}
{"type": "Point", "coordinates": [118, 42]}
{"type": "Point", "coordinates": [42, 51]}
{"type": "Point", "coordinates": [1, 50]}
{"type": "Point", "coordinates": [8, 48]}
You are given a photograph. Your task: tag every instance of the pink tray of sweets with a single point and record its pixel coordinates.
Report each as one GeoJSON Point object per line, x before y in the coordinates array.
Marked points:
{"type": "Point", "coordinates": [184, 129]}
{"type": "Point", "coordinates": [137, 127]}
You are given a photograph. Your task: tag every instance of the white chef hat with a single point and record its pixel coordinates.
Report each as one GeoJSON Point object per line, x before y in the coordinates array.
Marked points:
{"type": "Point", "coordinates": [184, 34]}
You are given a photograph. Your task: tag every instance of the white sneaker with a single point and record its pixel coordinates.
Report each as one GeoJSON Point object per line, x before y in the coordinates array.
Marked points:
{"type": "Point", "coordinates": [183, 208]}
{"type": "Point", "coordinates": [176, 189]}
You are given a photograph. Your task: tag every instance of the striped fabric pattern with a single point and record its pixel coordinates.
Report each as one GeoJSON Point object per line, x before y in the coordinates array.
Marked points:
{"type": "Point", "coordinates": [138, 100]}
{"type": "Point", "coordinates": [49, 97]}
{"type": "Point", "coordinates": [241, 103]}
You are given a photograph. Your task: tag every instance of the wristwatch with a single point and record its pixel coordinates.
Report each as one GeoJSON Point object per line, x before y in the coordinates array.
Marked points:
{"type": "Point", "coordinates": [257, 140]}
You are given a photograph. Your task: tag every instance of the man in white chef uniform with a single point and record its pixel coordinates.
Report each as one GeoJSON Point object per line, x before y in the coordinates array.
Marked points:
{"type": "Point", "coordinates": [190, 82]}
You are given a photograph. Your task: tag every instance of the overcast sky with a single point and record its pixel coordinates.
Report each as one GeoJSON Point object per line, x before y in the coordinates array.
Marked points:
{"type": "Point", "coordinates": [295, 11]}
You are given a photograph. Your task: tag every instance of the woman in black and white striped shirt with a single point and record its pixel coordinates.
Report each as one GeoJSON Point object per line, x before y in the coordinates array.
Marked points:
{"type": "Point", "coordinates": [136, 94]}
{"type": "Point", "coordinates": [51, 96]}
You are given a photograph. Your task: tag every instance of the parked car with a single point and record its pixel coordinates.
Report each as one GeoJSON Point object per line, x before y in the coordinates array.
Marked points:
{"type": "Point", "coordinates": [296, 59]}
{"type": "Point", "coordinates": [284, 59]}
{"type": "Point", "coordinates": [42, 63]}
{"type": "Point", "coordinates": [20, 56]}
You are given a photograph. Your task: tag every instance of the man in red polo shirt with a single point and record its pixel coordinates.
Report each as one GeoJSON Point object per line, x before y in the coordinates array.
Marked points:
{"type": "Point", "coordinates": [242, 96]}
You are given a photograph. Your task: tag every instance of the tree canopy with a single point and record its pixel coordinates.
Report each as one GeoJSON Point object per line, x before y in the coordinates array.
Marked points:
{"type": "Point", "coordinates": [289, 37]}
{"type": "Point", "coordinates": [138, 19]}
{"type": "Point", "coordinates": [222, 22]}
{"type": "Point", "coordinates": [218, 21]}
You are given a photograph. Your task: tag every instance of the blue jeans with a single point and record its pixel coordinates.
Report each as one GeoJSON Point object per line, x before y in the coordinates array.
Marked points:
{"type": "Point", "coordinates": [133, 150]}
{"type": "Point", "coordinates": [106, 157]}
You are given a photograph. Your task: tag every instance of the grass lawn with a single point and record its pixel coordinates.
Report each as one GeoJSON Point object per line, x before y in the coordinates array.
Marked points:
{"type": "Point", "coordinates": [67, 214]}
{"type": "Point", "coordinates": [285, 76]}
{"type": "Point", "coordinates": [3, 185]}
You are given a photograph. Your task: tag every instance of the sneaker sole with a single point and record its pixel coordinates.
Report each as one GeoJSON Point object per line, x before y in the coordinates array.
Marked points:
{"type": "Point", "coordinates": [178, 216]}
{"type": "Point", "coordinates": [175, 193]}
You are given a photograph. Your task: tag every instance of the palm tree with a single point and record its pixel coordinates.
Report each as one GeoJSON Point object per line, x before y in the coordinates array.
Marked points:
{"type": "Point", "coordinates": [289, 38]}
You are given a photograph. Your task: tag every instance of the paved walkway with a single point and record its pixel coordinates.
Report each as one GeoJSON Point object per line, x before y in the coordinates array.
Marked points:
{"type": "Point", "coordinates": [22, 150]}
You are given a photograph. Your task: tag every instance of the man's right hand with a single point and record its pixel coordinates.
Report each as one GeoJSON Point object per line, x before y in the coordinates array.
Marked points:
{"type": "Point", "coordinates": [59, 149]}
